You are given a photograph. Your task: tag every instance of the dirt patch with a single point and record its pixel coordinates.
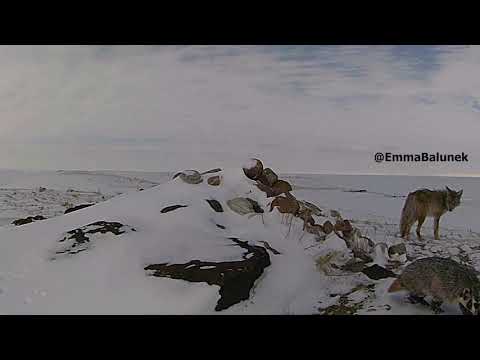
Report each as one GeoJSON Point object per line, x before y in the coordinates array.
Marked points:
{"type": "Point", "coordinates": [28, 220]}
{"type": "Point", "coordinates": [235, 278]}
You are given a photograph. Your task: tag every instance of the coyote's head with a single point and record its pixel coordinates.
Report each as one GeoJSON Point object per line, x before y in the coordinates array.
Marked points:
{"type": "Point", "coordinates": [453, 198]}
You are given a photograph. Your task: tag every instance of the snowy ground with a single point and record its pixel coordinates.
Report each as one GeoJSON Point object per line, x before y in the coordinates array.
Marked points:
{"type": "Point", "coordinates": [108, 276]}
{"type": "Point", "coordinates": [21, 194]}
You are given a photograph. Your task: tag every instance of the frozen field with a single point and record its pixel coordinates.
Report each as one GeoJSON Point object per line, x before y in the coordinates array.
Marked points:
{"type": "Point", "coordinates": [107, 274]}
{"type": "Point", "coordinates": [21, 194]}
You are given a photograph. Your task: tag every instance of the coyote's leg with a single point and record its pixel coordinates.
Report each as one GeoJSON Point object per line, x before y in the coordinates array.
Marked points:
{"type": "Point", "coordinates": [421, 220]}
{"type": "Point", "coordinates": [406, 232]}
{"type": "Point", "coordinates": [435, 227]}
{"type": "Point", "coordinates": [436, 306]}
{"type": "Point", "coordinates": [418, 299]}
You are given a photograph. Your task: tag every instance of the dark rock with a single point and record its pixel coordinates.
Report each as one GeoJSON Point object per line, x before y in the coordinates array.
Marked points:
{"type": "Point", "coordinates": [211, 171]}
{"type": "Point", "coordinates": [171, 208]}
{"type": "Point", "coordinates": [28, 220]}
{"type": "Point", "coordinates": [214, 180]}
{"type": "Point", "coordinates": [215, 205]}
{"type": "Point", "coordinates": [376, 272]}
{"type": "Point", "coordinates": [327, 227]}
{"type": "Point", "coordinates": [190, 176]}
{"type": "Point", "coordinates": [235, 278]}
{"type": "Point", "coordinates": [221, 226]}
{"type": "Point", "coordinates": [343, 226]}
{"type": "Point", "coordinates": [268, 177]}
{"type": "Point", "coordinates": [398, 249]}
{"type": "Point", "coordinates": [79, 207]}
{"type": "Point", "coordinates": [256, 206]}
{"type": "Point", "coordinates": [314, 208]}
{"type": "Point", "coordinates": [280, 187]}
{"type": "Point", "coordinates": [253, 170]}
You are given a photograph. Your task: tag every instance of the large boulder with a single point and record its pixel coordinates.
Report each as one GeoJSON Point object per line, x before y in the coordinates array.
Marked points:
{"type": "Point", "coordinates": [244, 206]}
{"type": "Point", "coordinates": [281, 187]}
{"type": "Point", "coordinates": [253, 168]}
{"type": "Point", "coordinates": [268, 177]}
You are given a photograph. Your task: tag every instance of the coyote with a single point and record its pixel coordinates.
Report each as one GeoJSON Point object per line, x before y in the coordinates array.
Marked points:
{"type": "Point", "coordinates": [423, 203]}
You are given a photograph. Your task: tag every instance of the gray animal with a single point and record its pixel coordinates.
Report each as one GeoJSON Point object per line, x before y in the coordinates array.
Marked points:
{"type": "Point", "coordinates": [444, 280]}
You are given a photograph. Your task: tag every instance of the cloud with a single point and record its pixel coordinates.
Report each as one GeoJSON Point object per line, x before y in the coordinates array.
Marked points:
{"type": "Point", "coordinates": [301, 108]}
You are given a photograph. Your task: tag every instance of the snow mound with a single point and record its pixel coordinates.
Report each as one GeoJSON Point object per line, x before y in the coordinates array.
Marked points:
{"type": "Point", "coordinates": [179, 248]}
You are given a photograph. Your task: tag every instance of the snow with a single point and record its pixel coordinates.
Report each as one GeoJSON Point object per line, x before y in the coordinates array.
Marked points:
{"type": "Point", "coordinates": [250, 164]}
{"type": "Point", "coordinates": [109, 276]}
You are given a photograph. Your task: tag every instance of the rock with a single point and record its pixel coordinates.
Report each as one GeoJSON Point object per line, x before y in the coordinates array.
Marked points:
{"type": "Point", "coordinates": [171, 208]}
{"type": "Point", "coordinates": [78, 207]}
{"type": "Point", "coordinates": [255, 206]}
{"type": "Point", "coordinates": [268, 177]}
{"type": "Point", "coordinates": [343, 226]}
{"type": "Point", "coordinates": [241, 205]}
{"type": "Point", "coordinates": [214, 180]}
{"type": "Point", "coordinates": [335, 214]}
{"type": "Point", "coordinates": [377, 272]}
{"type": "Point", "coordinates": [41, 189]}
{"type": "Point", "coordinates": [281, 187]}
{"type": "Point", "coordinates": [211, 171]}
{"type": "Point", "coordinates": [220, 226]}
{"type": "Point", "coordinates": [215, 205]}
{"type": "Point", "coordinates": [235, 278]}
{"type": "Point", "coordinates": [253, 169]}
{"type": "Point", "coordinates": [327, 227]}
{"type": "Point", "coordinates": [27, 220]}
{"type": "Point", "coordinates": [315, 209]}
{"type": "Point", "coordinates": [190, 176]}
{"type": "Point", "coordinates": [397, 250]}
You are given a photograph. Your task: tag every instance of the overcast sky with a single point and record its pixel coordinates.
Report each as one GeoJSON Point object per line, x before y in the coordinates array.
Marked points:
{"type": "Point", "coordinates": [319, 109]}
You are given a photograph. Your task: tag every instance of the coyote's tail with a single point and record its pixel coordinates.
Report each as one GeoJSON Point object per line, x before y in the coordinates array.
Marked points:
{"type": "Point", "coordinates": [408, 214]}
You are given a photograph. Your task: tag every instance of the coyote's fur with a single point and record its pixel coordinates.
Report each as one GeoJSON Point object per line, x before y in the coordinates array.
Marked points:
{"type": "Point", "coordinates": [422, 203]}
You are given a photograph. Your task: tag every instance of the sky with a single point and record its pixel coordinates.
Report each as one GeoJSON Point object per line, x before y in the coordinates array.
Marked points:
{"type": "Point", "coordinates": [304, 109]}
